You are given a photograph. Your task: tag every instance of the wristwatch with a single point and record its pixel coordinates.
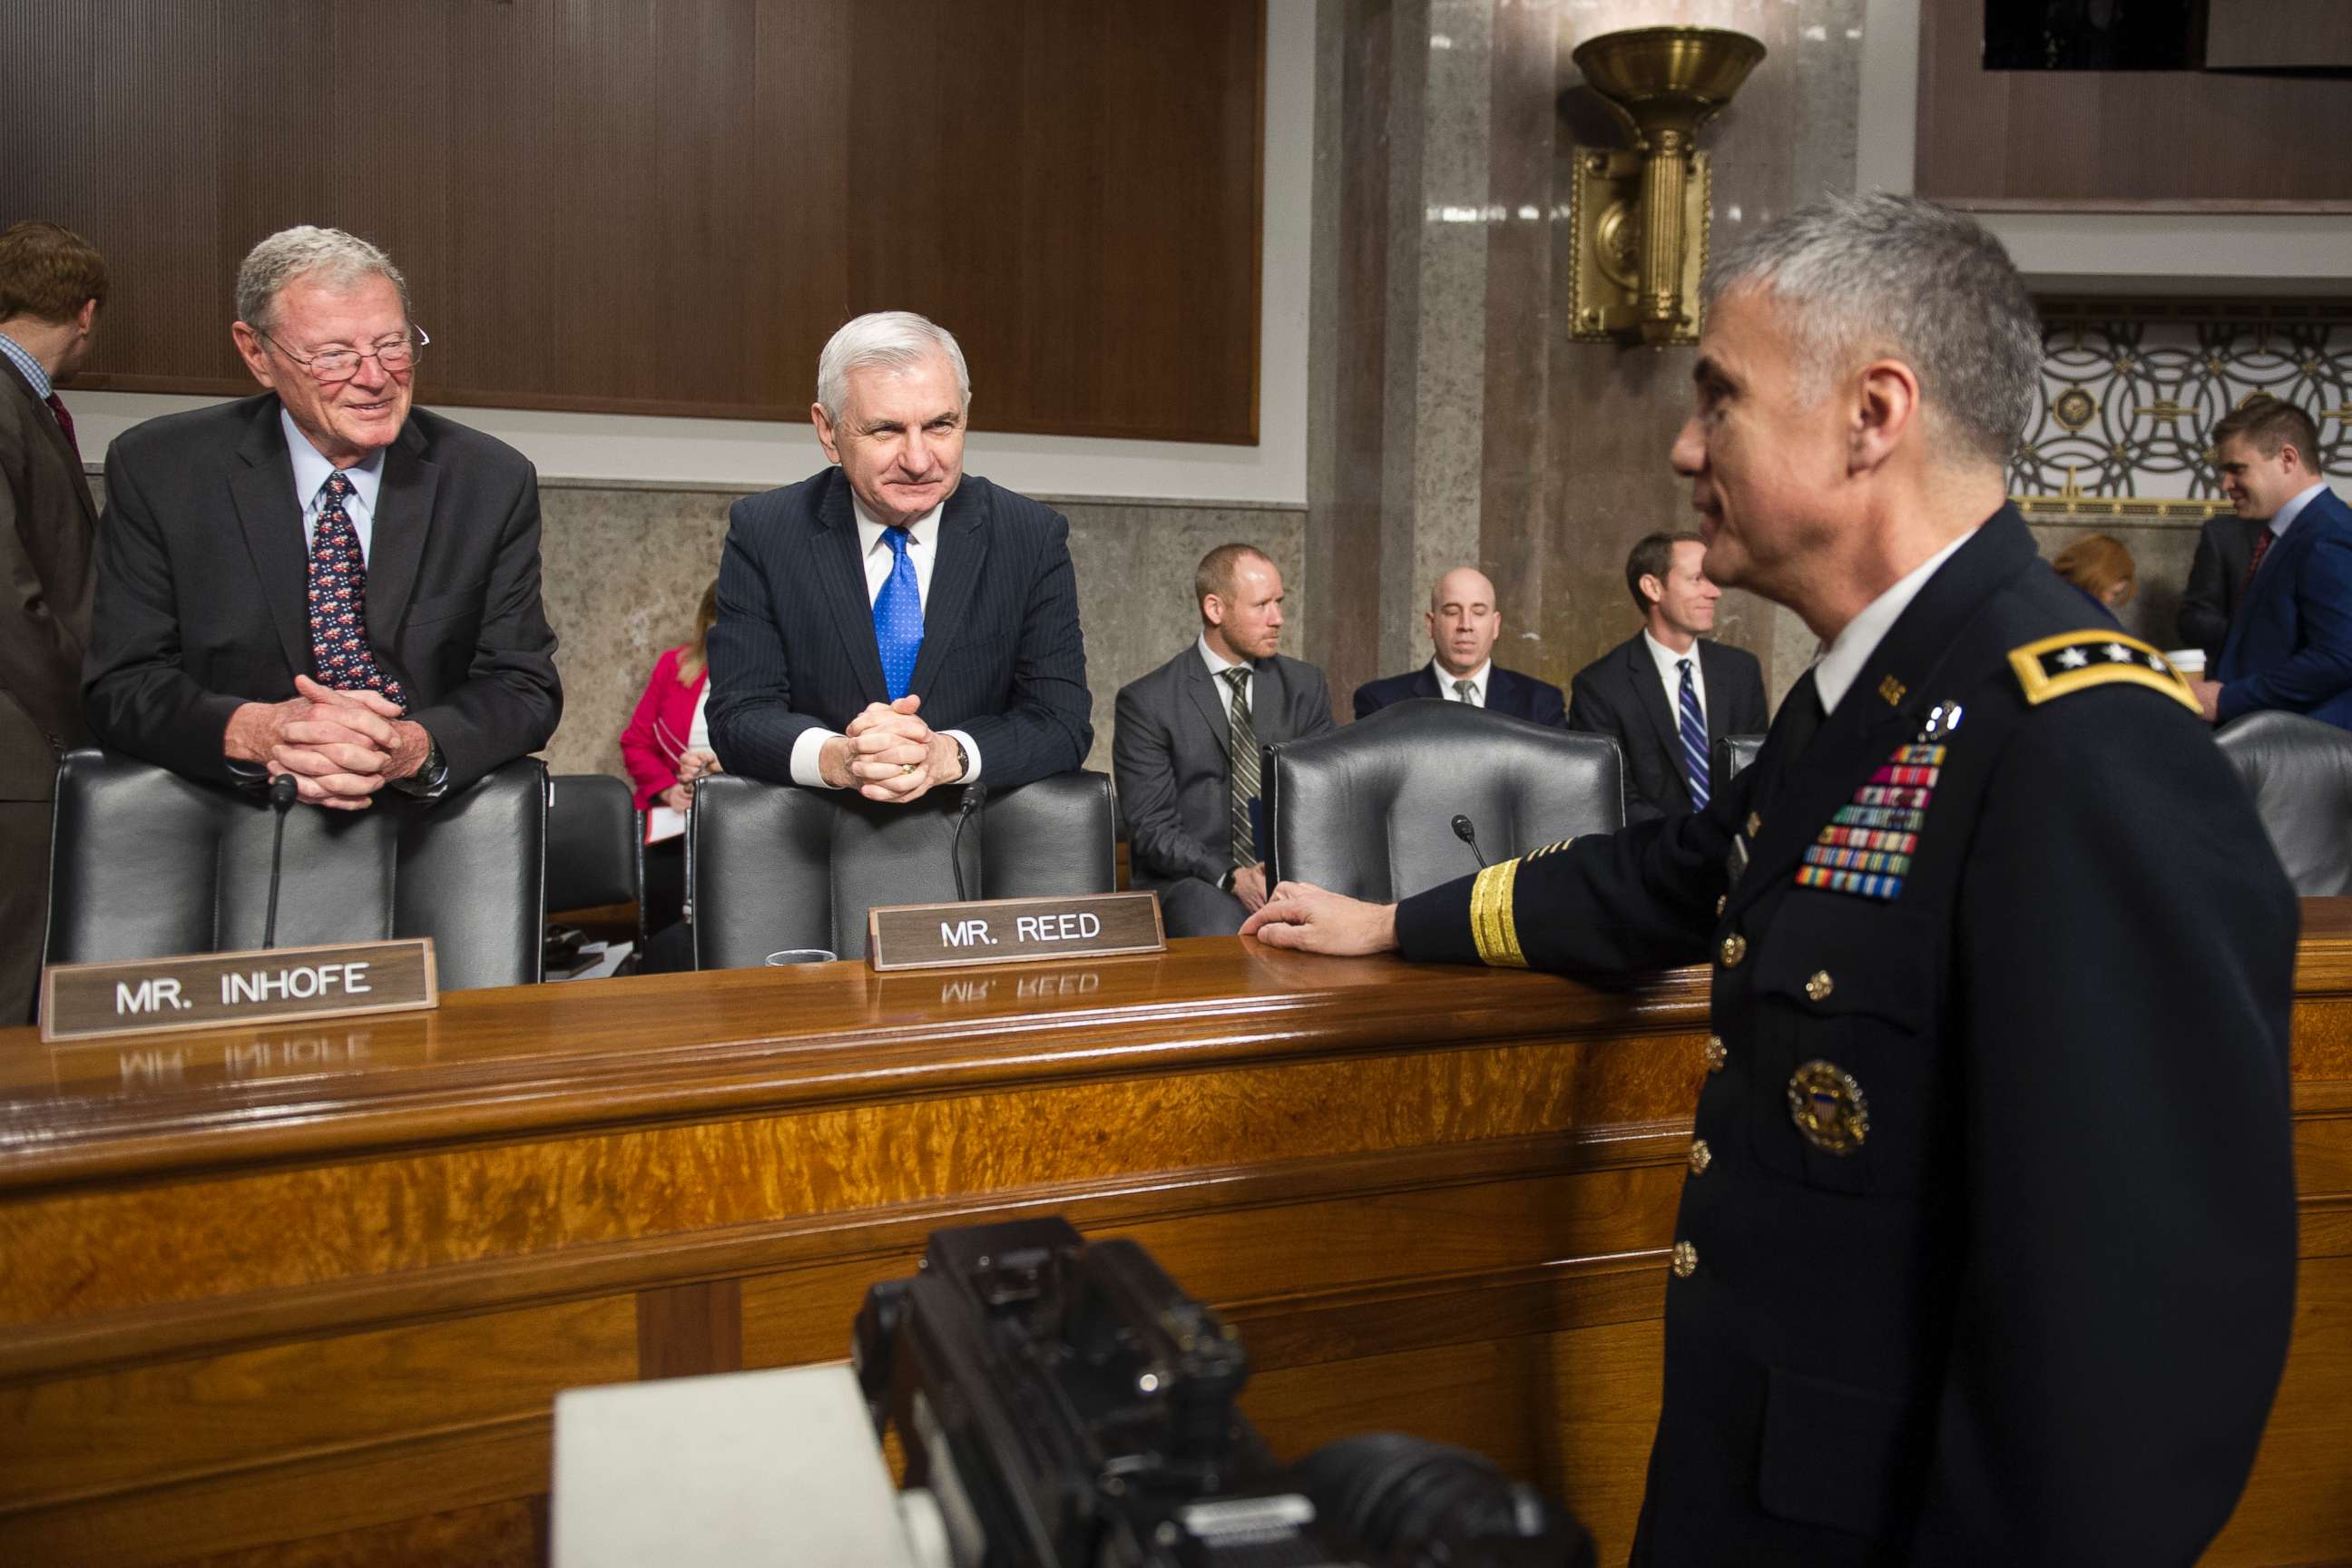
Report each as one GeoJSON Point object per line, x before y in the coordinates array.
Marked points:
{"type": "Point", "coordinates": [431, 779]}
{"type": "Point", "coordinates": [963, 763]}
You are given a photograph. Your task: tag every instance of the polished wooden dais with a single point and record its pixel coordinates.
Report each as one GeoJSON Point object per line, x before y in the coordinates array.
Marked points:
{"type": "Point", "coordinates": [304, 1294]}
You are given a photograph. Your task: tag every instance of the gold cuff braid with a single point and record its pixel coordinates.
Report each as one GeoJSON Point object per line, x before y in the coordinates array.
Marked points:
{"type": "Point", "coordinates": [1492, 925]}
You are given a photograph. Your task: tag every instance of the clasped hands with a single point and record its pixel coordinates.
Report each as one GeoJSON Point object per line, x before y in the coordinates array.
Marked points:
{"type": "Point", "coordinates": [888, 755]}
{"type": "Point", "coordinates": [340, 747]}
{"type": "Point", "coordinates": [693, 764]}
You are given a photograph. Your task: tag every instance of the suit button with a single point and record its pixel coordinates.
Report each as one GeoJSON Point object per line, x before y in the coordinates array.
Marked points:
{"type": "Point", "coordinates": [1721, 900]}
{"type": "Point", "coordinates": [1716, 1054]}
{"type": "Point", "coordinates": [1686, 1262]}
{"type": "Point", "coordinates": [1701, 1156]}
{"type": "Point", "coordinates": [1735, 948]}
{"type": "Point", "coordinates": [1820, 986]}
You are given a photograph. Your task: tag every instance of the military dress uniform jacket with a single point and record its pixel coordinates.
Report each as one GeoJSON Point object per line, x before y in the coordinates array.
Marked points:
{"type": "Point", "coordinates": [1987, 1250]}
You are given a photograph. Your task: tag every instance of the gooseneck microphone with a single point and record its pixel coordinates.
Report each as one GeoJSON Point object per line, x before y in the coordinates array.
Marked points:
{"type": "Point", "coordinates": [1467, 831]}
{"type": "Point", "coordinates": [972, 796]}
{"type": "Point", "coordinates": [282, 791]}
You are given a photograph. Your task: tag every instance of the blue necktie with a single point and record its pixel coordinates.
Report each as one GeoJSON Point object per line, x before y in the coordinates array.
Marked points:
{"type": "Point", "coordinates": [1694, 727]}
{"type": "Point", "coordinates": [899, 618]}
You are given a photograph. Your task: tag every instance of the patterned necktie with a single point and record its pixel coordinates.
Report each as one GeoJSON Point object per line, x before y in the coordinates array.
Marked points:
{"type": "Point", "coordinates": [899, 618]}
{"type": "Point", "coordinates": [2261, 548]}
{"type": "Point", "coordinates": [1245, 770]}
{"type": "Point", "coordinates": [1694, 729]}
{"type": "Point", "coordinates": [1467, 691]}
{"type": "Point", "coordinates": [65, 422]}
{"type": "Point", "coordinates": [339, 637]}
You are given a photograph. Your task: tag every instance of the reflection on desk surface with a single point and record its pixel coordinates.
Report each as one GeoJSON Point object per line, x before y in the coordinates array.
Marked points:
{"type": "Point", "coordinates": [601, 1050]}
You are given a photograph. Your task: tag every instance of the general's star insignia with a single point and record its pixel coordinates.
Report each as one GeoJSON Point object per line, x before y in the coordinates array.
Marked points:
{"type": "Point", "coordinates": [2074, 661]}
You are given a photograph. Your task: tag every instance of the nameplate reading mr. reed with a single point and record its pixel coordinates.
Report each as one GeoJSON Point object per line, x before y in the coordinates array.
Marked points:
{"type": "Point", "coordinates": [1013, 931]}
{"type": "Point", "coordinates": [213, 989]}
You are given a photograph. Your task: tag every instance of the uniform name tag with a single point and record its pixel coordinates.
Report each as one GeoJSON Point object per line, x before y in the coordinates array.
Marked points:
{"type": "Point", "coordinates": [1013, 931]}
{"type": "Point", "coordinates": [211, 990]}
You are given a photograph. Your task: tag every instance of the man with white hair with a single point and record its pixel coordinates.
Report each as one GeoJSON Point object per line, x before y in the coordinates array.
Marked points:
{"type": "Point", "coordinates": [892, 625]}
{"type": "Point", "coordinates": [323, 580]}
{"type": "Point", "coordinates": [1986, 1250]}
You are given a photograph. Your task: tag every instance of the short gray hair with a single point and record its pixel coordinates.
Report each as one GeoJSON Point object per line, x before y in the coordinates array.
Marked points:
{"type": "Point", "coordinates": [333, 258]}
{"type": "Point", "coordinates": [1869, 275]}
{"type": "Point", "coordinates": [887, 340]}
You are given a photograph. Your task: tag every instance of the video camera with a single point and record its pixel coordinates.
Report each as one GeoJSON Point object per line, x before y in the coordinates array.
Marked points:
{"type": "Point", "coordinates": [1066, 1405]}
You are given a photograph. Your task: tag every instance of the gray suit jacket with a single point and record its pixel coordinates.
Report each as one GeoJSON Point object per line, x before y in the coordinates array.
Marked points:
{"type": "Point", "coordinates": [1168, 757]}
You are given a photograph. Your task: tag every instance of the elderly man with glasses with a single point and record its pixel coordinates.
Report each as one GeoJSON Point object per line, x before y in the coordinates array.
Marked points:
{"type": "Point", "coordinates": [322, 581]}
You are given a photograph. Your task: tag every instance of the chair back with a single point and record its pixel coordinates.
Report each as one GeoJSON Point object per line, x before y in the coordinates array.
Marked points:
{"type": "Point", "coordinates": [2299, 773]}
{"type": "Point", "coordinates": [146, 864]}
{"type": "Point", "coordinates": [1734, 755]}
{"type": "Point", "coordinates": [1369, 810]}
{"type": "Point", "coordinates": [770, 867]}
{"type": "Point", "coordinates": [596, 842]}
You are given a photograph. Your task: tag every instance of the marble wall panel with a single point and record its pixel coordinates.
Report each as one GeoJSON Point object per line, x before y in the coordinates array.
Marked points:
{"type": "Point", "coordinates": [624, 567]}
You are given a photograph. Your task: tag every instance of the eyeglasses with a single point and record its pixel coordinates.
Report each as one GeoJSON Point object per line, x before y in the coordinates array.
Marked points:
{"type": "Point", "coordinates": [341, 364]}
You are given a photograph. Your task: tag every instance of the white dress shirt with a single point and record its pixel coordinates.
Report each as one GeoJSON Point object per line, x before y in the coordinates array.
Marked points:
{"type": "Point", "coordinates": [1476, 677]}
{"type": "Point", "coordinates": [312, 472]}
{"type": "Point", "coordinates": [2283, 519]}
{"type": "Point", "coordinates": [1670, 675]}
{"type": "Point", "coordinates": [923, 554]}
{"type": "Point", "coordinates": [1839, 665]}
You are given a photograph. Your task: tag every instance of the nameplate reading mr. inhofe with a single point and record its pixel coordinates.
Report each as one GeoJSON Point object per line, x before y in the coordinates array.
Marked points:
{"type": "Point", "coordinates": [216, 990]}
{"type": "Point", "coordinates": [1013, 931]}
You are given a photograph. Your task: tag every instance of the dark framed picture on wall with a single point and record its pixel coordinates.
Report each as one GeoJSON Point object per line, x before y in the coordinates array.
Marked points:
{"type": "Point", "coordinates": [2094, 34]}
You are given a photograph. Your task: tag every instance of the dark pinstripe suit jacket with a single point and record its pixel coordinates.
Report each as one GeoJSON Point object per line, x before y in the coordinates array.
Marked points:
{"type": "Point", "coordinates": [1002, 658]}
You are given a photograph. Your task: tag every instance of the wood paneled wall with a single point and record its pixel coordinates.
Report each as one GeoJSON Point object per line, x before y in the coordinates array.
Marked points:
{"type": "Point", "coordinates": [665, 206]}
{"type": "Point", "coordinates": [2121, 141]}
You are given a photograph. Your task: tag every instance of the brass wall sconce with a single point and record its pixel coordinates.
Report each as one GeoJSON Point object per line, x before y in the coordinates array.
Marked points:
{"type": "Point", "coordinates": [1641, 216]}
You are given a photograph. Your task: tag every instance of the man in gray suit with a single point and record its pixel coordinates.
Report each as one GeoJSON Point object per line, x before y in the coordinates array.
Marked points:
{"type": "Point", "coordinates": [1186, 751]}
{"type": "Point", "coordinates": [52, 284]}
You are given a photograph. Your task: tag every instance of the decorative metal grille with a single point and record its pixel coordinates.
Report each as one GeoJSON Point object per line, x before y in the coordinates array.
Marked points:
{"type": "Point", "coordinates": [2131, 388]}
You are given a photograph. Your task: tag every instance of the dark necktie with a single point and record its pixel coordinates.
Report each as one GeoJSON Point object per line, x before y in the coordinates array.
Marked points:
{"type": "Point", "coordinates": [2253, 561]}
{"type": "Point", "coordinates": [899, 618]}
{"type": "Point", "coordinates": [65, 422]}
{"type": "Point", "coordinates": [1693, 731]}
{"type": "Point", "coordinates": [1801, 716]}
{"type": "Point", "coordinates": [339, 637]}
{"type": "Point", "coordinates": [1245, 770]}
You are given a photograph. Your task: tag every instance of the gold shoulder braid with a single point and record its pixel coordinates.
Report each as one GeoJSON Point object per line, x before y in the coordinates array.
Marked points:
{"type": "Point", "coordinates": [1492, 924]}
{"type": "Point", "coordinates": [2076, 661]}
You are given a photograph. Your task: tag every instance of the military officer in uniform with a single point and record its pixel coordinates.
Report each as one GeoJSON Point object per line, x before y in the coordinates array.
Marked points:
{"type": "Point", "coordinates": [1986, 1253]}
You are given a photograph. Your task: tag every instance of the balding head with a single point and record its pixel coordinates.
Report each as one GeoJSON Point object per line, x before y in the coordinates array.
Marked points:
{"type": "Point", "coordinates": [1463, 620]}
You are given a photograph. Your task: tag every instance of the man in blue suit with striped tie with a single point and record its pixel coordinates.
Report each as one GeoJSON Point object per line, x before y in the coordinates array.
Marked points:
{"type": "Point", "coordinates": [2290, 644]}
{"type": "Point", "coordinates": [892, 625]}
{"type": "Point", "coordinates": [1667, 694]}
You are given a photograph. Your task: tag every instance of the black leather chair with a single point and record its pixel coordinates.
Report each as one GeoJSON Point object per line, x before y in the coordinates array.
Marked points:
{"type": "Point", "coordinates": [144, 864]}
{"type": "Point", "coordinates": [1734, 755]}
{"type": "Point", "coordinates": [595, 845]}
{"type": "Point", "coordinates": [2299, 772]}
{"type": "Point", "coordinates": [1369, 810]}
{"type": "Point", "coordinates": [770, 867]}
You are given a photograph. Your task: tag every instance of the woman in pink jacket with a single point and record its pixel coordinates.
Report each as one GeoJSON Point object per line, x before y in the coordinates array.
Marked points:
{"type": "Point", "coordinates": [664, 755]}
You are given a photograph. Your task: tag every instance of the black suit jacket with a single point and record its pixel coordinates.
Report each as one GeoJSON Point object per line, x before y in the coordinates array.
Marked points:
{"type": "Point", "coordinates": [1521, 696]}
{"type": "Point", "coordinates": [1002, 658]}
{"type": "Point", "coordinates": [203, 588]}
{"type": "Point", "coordinates": [1618, 695]}
{"type": "Point", "coordinates": [2217, 581]}
{"type": "Point", "coordinates": [1168, 758]}
{"type": "Point", "coordinates": [48, 528]}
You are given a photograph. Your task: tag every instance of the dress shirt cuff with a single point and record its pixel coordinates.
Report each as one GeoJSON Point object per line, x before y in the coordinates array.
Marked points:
{"type": "Point", "coordinates": [970, 754]}
{"type": "Point", "coordinates": [807, 747]}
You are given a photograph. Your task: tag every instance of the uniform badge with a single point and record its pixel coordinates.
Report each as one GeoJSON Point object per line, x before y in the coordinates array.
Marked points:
{"type": "Point", "coordinates": [1827, 1108]}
